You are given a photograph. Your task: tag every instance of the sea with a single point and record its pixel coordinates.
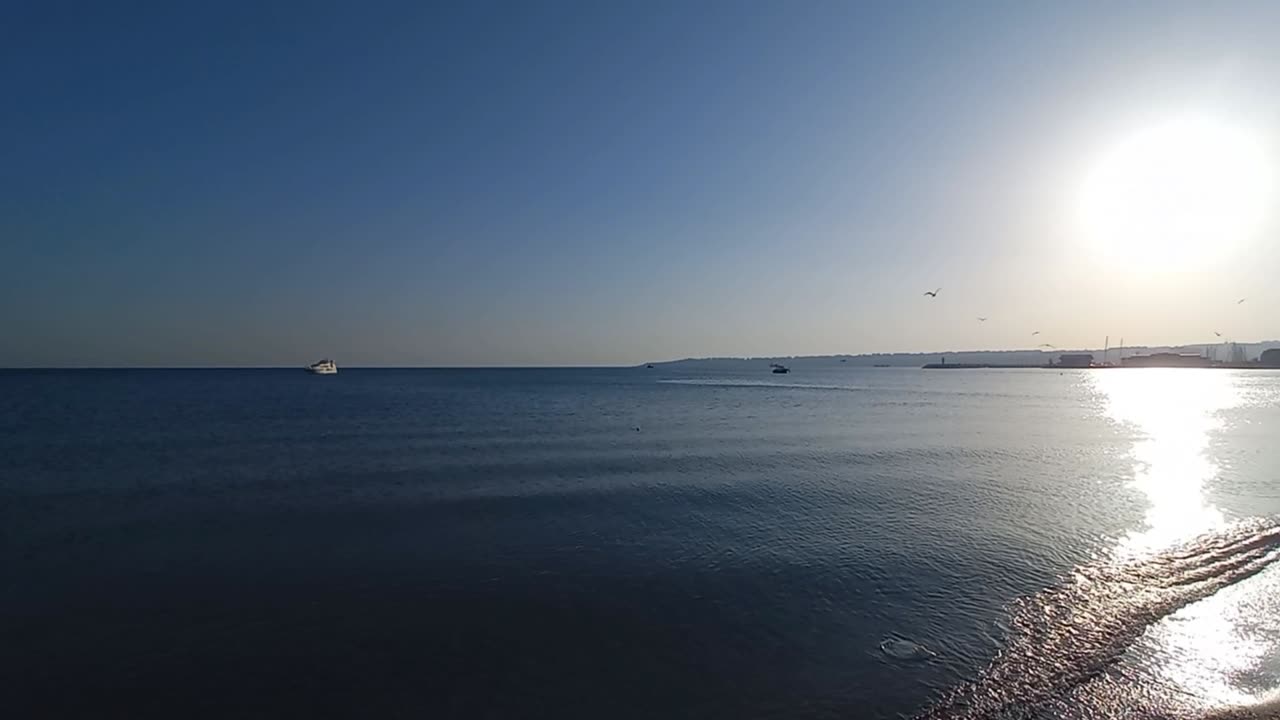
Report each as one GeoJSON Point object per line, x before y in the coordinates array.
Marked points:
{"type": "Point", "coordinates": [836, 542]}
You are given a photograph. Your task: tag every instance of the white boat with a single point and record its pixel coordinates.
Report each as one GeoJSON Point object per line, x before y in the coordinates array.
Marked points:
{"type": "Point", "coordinates": [324, 367]}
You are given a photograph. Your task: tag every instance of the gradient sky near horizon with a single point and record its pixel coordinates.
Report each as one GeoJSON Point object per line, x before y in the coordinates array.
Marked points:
{"type": "Point", "coordinates": [609, 183]}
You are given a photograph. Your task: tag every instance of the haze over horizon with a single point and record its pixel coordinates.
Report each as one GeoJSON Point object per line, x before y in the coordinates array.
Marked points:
{"type": "Point", "coordinates": [577, 184]}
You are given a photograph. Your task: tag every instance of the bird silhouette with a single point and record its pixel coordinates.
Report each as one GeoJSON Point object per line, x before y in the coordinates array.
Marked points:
{"type": "Point", "coordinates": [1044, 345]}
{"type": "Point", "coordinates": [1215, 332]}
{"type": "Point", "coordinates": [982, 319]}
{"type": "Point", "coordinates": [1037, 332]}
{"type": "Point", "coordinates": [1241, 300]}
{"type": "Point", "coordinates": [933, 293]}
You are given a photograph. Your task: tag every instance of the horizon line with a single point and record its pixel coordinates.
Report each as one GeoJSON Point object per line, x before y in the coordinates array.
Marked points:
{"type": "Point", "coordinates": [1040, 351]}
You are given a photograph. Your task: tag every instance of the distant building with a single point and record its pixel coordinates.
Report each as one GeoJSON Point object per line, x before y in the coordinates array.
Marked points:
{"type": "Point", "coordinates": [1167, 359]}
{"type": "Point", "coordinates": [1271, 358]}
{"type": "Point", "coordinates": [1075, 360]}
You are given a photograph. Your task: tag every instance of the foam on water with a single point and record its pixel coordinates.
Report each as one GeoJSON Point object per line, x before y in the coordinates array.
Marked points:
{"type": "Point", "coordinates": [1067, 635]}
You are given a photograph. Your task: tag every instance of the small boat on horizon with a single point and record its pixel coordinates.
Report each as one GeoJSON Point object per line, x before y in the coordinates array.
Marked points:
{"type": "Point", "coordinates": [324, 367]}
{"type": "Point", "coordinates": [779, 369]}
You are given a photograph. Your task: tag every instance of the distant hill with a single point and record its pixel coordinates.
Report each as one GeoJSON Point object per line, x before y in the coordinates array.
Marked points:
{"type": "Point", "coordinates": [994, 357]}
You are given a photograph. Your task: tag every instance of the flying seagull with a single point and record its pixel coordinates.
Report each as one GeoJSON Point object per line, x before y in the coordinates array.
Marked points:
{"type": "Point", "coordinates": [1035, 333]}
{"type": "Point", "coordinates": [1215, 332]}
{"type": "Point", "coordinates": [1241, 300]}
{"type": "Point", "coordinates": [1044, 345]}
{"type": "Point", "coordinates": [982, 319]}
{"type": "Point", "coordinates": [934, 293]}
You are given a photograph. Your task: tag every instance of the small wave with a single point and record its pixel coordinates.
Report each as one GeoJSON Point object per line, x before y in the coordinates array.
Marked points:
{"type": "Point", "coordinates": [1069, 634]}
{"type": "Point", "coordinates": [900, 648]}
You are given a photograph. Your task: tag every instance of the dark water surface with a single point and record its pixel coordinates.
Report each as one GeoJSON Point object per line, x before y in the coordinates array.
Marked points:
{"type": "Point", "coordinates": [849, 543]}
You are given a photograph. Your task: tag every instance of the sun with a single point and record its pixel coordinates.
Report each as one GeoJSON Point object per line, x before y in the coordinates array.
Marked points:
{"type": "Point", "coordinates": [1177, 194]}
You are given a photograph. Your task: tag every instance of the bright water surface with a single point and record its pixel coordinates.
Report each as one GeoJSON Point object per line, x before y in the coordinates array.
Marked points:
{"type": "Point", "coordinates": [844, 543]}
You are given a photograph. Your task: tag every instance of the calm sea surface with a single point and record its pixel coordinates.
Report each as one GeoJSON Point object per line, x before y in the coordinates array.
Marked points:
{"type": "Point", "coordinates": [833, 543]}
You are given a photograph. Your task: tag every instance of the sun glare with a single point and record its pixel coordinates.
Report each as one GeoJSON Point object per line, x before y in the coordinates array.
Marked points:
{"type": "Point", "coordinates": [1177, 194]}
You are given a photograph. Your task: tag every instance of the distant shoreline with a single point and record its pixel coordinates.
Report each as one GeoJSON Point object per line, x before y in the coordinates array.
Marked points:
{"type": "Point", "coordinates": [1026, 358]}
{"type": "Point", "coordinates": [1219, 366]}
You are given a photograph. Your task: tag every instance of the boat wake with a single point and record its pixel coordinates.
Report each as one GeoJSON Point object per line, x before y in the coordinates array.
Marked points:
{"type": "Point", "coordinates": [1069, 634]}
{"type": "Point", "coordinates": [716, 382]}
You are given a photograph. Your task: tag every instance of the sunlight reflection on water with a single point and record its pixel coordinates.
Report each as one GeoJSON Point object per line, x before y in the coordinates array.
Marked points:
{"type": "Point", "coordinates": [1172, 413]}
{"type": "Point", "coordinates": [1201, 649]}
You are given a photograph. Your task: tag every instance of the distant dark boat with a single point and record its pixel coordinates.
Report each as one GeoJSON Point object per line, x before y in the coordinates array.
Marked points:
{"type": "Point", "coordinates": [649, 367]}
{"type": "Point", "coordinates": [780, 369]}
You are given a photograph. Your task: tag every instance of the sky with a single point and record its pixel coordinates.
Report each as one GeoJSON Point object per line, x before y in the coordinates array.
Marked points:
{"type": "Point", "coordinates": [548, 183]}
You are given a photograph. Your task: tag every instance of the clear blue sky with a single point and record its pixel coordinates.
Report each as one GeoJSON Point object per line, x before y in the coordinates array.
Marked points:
{"type": "Point", "coordinates": [599, 182]}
